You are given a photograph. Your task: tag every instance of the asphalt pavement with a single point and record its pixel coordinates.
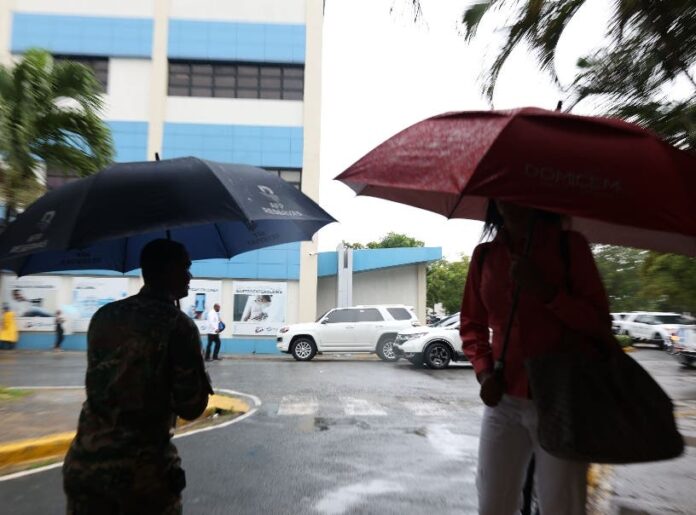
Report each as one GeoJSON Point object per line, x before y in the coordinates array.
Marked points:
{"type": "Point", "coordinates": [331, 436]}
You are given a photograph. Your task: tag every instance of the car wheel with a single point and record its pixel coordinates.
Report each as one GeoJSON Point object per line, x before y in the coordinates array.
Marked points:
{"type": "Point", "coordinates": [438, 355]}
{"type": "Point", "coordinates": [385, 348]}
{"type": "Point", "coordinates": [303, 349]}
{"type": "Point", "coordinates": [657, 339]}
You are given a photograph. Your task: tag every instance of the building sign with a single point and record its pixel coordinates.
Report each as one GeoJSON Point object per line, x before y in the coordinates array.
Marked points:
{"type": "Point", "coordinates": [259, 308]}
{"type": "Point", "coordinates": [33, 299]}
{"type": "Point", "coordinates": [203, 295]}
{"type": "Point", "coordinates": [91, 293]}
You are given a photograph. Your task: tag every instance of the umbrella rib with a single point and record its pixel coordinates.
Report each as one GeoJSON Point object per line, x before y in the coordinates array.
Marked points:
{"type": "Point", "coordinates": [483, 158]}
{"type": "Point", "coordinates": [222, 240]}
{"type": "Point", "coordinates": [125, 255]}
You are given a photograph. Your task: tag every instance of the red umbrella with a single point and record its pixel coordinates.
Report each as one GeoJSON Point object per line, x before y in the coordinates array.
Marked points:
{"type": "Point", "coordinates": [617, 182]}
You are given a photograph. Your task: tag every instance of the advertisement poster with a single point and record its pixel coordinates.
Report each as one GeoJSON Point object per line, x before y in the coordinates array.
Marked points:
{"type": "Point", "coordinates": [259, 308]}
{"type": "Point", "coordinates": [33, 299]}
{"type": "Point", "coordinates": [203, 295]}
{"type": "Point", "coordinates": [91, 293]}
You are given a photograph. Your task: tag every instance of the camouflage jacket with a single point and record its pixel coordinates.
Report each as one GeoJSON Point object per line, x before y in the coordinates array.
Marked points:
{"type": "Point", "coordinates": [144, 367]}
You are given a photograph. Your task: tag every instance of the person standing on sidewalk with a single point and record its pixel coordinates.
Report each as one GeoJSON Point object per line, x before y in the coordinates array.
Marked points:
{"type": "Point", "coordinates": [8, 332]}
{"type": "Point", "coordinates": [213, 333]}
{"type": "Point", "coordinates": [144, 368]}
{"type": "Point", "coordinates": [60, 332]}
{"type": "Point", "coordinates": [558, 263]}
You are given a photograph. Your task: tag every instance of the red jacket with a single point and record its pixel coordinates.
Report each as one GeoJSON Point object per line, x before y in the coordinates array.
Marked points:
{"type": "Point", "coordinates": [537, 327]}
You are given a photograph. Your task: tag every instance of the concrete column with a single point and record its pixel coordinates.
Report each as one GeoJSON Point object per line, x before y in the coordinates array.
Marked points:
{"type": "Point", "coordinates": [422, 291]}
{"type": "Point", "coordinates": [159, 79]}
{"type": "Point", "coordinates": [6, 7]}
{"type": "Point", "coordinates": [344, 277]}
{"type": "Point", "coordinates": [310, 158]}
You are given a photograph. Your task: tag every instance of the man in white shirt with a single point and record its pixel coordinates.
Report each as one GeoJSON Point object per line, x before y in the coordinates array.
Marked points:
{"type": "Point", "coordinates": [213, 332]}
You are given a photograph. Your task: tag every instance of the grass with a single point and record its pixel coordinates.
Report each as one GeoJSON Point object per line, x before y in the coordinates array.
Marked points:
{"type": "Point", "coordinates": [10, 394]}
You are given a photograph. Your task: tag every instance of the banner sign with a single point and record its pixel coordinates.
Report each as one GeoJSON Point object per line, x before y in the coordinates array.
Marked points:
{"type": "Point", "coordinates": [91, 293]}
{"type": "Point", "coordinates": [259, 308]}
{"type": "Point", "coordinates": [203, 295]}
{"type": "Point", "coordinates": [33, 299]}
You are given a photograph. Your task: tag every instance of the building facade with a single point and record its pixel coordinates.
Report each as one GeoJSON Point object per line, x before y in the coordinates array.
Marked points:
{"type": "Point", "coordinates": [237, 82]}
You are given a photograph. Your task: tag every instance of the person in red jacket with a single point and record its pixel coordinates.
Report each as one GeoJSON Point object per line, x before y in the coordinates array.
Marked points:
{"type": "Point", "coordinates": [559, 289]}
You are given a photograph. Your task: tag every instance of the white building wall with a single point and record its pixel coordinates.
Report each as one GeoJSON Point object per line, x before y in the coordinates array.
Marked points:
{"type": "Point", "coordinates": [261, 11]}
{"type": "Point", "coordinates": [128, 90]}
{"type": "Point", "coordinates": [237, 111]}
{"type": "Point", "coordinates": [326, 294]}
{"type": "Point", "coordinates": [120, 8]}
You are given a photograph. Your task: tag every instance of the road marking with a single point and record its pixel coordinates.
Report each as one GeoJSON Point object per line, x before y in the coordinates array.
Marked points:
{"type": "Point", "coordinates": [254, 405]}
{"type": "Point", "coordinates": [297, 405]}
{"type": "Point", "coordinates": [451, 445]}
{"type": "Point", "coordinates": [425, 409]}
{"type": "Point", "coordinates": [345, 498]}
{"type": "Point", "coordinates": [361, 407]}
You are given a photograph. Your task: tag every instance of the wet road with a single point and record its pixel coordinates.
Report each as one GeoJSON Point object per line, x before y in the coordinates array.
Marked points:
{"type": "Point", "coordinates": [332, 436]}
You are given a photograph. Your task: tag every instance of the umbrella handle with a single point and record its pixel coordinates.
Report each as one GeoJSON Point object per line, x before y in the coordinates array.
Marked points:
{"type": "Point", "coordinates": [500, 362]}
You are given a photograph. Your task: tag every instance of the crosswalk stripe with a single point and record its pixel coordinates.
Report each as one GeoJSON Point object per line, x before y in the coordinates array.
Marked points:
{"type": "Point", "coordinates": [361, 407]}
{"type": "Point", "coordinates": [297, 405]}
{"type": "Point", "coordinates": [425, 409]}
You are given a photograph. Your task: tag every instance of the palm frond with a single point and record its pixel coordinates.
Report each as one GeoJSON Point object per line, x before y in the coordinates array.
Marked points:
{"type": "Point", "coordinates": [77, 81]}
{"type": "Point", "coordinates": [472, 17]}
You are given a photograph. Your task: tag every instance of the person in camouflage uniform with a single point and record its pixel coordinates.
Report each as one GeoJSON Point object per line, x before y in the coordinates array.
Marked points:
{"type": "Point", "coordinates": [144, 368]}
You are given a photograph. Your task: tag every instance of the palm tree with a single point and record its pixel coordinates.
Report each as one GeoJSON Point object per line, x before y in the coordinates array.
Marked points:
{"type": "Point", "coordinates": [48, 119]}
{"type": "Point", "coordinates": [651, 46]}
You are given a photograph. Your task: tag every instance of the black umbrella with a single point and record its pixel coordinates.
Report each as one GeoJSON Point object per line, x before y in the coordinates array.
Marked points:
{"type": "Point", "coordinates": [102, 222]}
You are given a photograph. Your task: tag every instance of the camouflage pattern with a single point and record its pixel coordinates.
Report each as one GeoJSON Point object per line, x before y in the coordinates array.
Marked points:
{"type": "Point", "coordinates": [144, 367]}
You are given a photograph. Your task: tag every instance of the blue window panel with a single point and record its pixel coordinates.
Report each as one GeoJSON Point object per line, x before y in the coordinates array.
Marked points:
{"type": "Point", "coordinates": [236, 41]}
{"type": "Point", "coordinates": [82, 35]}
{"type": "Point", "coordinates": [130, 140]}
{"type": "Point", "coordinates": [273, 256]}
{"type": "Point", "coordinates": [327, 264]}
{"type": "Point", "coordinates": [273, 271]}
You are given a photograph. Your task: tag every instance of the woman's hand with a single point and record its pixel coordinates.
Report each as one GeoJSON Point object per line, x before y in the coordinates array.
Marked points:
{"type": "Point", "coordinates": [491, 389]}
{"type": "Point", "coordinates": [527, 276]}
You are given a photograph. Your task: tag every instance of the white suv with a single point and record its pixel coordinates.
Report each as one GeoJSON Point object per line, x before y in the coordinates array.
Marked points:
{"type": "Point", "coordinates": [656, 328]}
{"type": "Point", "coordinates": [435, 346]}
{"type": "Point", "coordinates": [354, 329]}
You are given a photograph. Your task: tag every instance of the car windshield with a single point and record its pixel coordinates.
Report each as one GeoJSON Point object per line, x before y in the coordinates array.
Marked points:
{"type": "Point", "coordinates": [446, 321]}
{"type": "Point", "coordinates": [673, 319]}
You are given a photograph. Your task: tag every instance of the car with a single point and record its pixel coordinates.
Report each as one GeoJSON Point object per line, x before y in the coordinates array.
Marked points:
{"type": "Point", "coordinates": [352, 329]}
{"type": "Point", "coordinates": [617, 320]}
{"type": "Point", "coordinates": [684, 346]}
{"type": "Point", "coordinates": [435, 347]}
{"type": "Point", "coordinates": [655, 328]}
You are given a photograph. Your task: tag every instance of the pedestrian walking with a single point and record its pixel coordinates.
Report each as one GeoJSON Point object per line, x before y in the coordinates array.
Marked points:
{"type": "Point", "coordinates": [214, 328]}
{"type": "Point", "coordinates": [546, 308]}
{"type": "Point", "coordinates": [144, 368]}
{"type": "Point", "coordinates": [60, 332]}
{"type": "Point", "coordinates": [8, 333]}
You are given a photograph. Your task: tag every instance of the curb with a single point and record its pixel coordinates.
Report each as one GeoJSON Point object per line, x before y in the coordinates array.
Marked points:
{"type": "Point", "coordinates": [32, 450]}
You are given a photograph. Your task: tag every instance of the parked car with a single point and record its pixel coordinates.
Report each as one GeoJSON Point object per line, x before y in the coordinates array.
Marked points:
{"type": "Point", "coordinates": [435, 347]}
{"type": "Point", "coordinates": [684, 346]}
{"type": "Point", "coordinates": [354, 329]}
{"type": "Point", "coordinates": [655, 328]}
{"type": "Point", "coordinates": [617, 320]}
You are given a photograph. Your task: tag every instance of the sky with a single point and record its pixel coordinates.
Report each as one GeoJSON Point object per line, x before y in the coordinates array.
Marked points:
{"type": "Point", "coordinates": [381, 72]}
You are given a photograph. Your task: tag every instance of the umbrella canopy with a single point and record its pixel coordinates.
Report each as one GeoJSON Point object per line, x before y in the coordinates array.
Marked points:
{"type": "Point", "coordinates": [618, 183]}
{"type": "Point", "coordinates": [102, 222]}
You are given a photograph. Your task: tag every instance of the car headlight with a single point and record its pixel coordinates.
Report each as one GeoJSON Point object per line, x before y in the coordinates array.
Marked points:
{"type": "Point", "coordinates": [412, 336]}
{"type": "Point", "coordinates": [283, 329]}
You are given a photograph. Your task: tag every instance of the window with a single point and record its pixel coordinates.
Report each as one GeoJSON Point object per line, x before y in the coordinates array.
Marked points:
{"type": "Point", "coordinates": [290, 175]}
{"type": "Point", "coordinates": [673, 319]}
{"type": "Point", "coordinates": [340, 316]}
{"type": "Point", "coordinates": [369, 315]}
{"type": "Point", "coordinates": [99, 65]}
{"type": "Point", "coordinates": [399, 313]}
{"type": "Point", "coordinates": [236, 80]}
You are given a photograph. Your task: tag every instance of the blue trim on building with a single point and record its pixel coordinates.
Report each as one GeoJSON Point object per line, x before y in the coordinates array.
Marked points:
{"type": "Point", "coordinates": [82, 35]}
{"type": "Point", "coordinates": [374, 259]}
{"type": "Point", "coordinates": [130, 140]}
{"type": "Point", "coordinates": [78, 342]}
{"type": "Point", "coordinates": [246, 144]}
{"type": "Point", "coordinates": [235, 41]}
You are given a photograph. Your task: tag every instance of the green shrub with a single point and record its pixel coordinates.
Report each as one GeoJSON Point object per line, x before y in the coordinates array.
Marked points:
{"type": "Point", "coordinates": [624, 340]}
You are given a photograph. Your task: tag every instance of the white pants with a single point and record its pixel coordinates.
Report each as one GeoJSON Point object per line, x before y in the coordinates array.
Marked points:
{"type": "Point", "coordinates": [508, 439]}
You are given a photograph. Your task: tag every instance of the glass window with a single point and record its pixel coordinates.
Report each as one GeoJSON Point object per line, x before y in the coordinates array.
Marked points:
{"type": "Point", "coordinates": [236, 80]}
{"type": "Point", "coordinates": [399, 313]}
{"type": "Point", "coordinates": [673, 319]}
{"type": "Point", "coordinates": [98, 65]}
{"type": "Point", "coordinates": [369, 315]}
{"type": "Point", "coordinates": [340, 316]}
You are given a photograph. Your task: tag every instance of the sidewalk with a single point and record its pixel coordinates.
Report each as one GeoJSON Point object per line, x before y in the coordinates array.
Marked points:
{"type": "Point", "coordinates": [38, 425]}
{"type": "Point", "coordinates": [662, 488]}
